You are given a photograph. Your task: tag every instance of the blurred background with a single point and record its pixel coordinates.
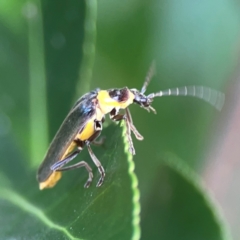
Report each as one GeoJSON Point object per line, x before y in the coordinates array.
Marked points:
{"type": "Point", "coordinates": [45, 65]}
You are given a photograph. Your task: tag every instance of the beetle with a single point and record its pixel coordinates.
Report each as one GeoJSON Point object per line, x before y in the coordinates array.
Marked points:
{"type": "Point", "coordinates": [83, 125]}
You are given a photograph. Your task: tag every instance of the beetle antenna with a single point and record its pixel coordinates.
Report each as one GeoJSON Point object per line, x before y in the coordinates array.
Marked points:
{"type": "Point", "coordinates": [150, 74]}
{"type": "Point", "coordinates": [213, 97]}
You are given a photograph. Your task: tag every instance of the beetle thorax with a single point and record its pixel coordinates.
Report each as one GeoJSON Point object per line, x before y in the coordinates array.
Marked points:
{"type": "Point", "coordinates": [114, 98]}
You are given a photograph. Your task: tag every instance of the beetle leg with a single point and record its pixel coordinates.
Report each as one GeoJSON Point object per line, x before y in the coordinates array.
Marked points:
{"type": "Point", "coordinates": [130, 142]}
{"type": "Point", "coordinates": [119, 117]}
{"type": "Point", "coordinates": [58, 166]}
{"type": "Point", "coordinates": [79, 165]}
{"type": "Point", "coordinates": [133, 128]}
{"type": "Point", "coordinates": [97, 163]}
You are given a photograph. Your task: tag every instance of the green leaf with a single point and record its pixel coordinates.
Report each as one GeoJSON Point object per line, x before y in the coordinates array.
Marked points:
{"type": "Point", "coordinates": [68, 211]}
{"type": "Point", "coordinates": [179, 207]}
{"type": "Point", "coordinates": [193, 43]}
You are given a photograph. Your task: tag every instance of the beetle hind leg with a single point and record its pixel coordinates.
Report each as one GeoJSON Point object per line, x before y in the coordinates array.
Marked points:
{"type": "Point", "coordinates": [79, 165]}
{"type": "Point", "coordinates": [59, 166]}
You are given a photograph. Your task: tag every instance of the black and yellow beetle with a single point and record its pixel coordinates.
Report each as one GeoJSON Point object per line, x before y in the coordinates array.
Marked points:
{"type": "Point", "coordinates": [83, 125]}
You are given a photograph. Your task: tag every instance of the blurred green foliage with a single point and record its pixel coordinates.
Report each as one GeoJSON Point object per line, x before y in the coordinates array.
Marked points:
{"type": "Point", "coordinates": [193, 43]}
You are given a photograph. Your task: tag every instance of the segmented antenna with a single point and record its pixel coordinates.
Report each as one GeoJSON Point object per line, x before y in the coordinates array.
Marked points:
{"type": "Point", "coordinates": [150, 74]}
{"type": "Point", "coordinates": [213, 97]}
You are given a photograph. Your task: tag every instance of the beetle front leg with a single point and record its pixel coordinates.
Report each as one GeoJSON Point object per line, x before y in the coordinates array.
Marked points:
{"type": "Point", "coordinates": [133, 128]}
{"type": "Point", "coordinates": [118, 117]}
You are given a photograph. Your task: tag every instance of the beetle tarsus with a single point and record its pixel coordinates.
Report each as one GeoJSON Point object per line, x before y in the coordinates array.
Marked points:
{"type": "Point", "coordinates": [102, 173]}
{"type": "Point", "coordinates": [89, 181]}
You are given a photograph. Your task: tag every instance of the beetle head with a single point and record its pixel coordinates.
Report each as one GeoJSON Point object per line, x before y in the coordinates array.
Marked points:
{"type": "Point", "coordinates": [143, 100]}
